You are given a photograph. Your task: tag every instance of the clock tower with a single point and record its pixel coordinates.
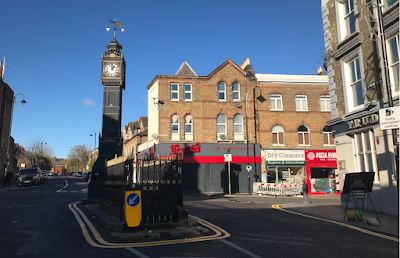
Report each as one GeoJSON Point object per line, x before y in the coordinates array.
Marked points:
{"type": "Point", "coordinates": [112, 78]}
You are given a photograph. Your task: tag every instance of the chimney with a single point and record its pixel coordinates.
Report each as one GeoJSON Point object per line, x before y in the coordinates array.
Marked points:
{"type": "Point", "coordinates": [320, 71]}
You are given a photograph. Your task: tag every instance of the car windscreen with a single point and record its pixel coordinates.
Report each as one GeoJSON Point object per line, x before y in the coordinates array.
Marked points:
{"type": "Point", "coordinates": [28, 171]}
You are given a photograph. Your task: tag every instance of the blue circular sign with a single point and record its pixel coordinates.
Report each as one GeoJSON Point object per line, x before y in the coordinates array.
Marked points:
{"type": "Point", "coordinates": [133, 200]}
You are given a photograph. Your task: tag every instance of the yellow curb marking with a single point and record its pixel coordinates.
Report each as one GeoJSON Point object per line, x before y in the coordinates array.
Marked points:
{"type": "Point", "coordinates": [219, 233]}
{"type": "Point", "coordinates": [366, 231]}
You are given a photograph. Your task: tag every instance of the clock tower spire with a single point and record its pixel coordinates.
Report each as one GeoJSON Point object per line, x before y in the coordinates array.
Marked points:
{"type": "Point", "coordinates": [112, 77]}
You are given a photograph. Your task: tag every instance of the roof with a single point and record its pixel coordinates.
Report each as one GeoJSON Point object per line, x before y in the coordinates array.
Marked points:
{"type": "Point", "coordinates": [185, 70]}
{"type": "Point", "coordinates": [294, 79]}
{"type": "Point", "coordinates": [144, 121]}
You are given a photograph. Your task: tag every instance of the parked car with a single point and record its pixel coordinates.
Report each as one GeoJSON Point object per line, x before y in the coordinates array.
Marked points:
{"type": "Point", "coordinates": [78, 173]}
{"type": "Point", "coordinates": [30, 176]}
{"type": "Point", "coordinates": [85, 176]}
{"type": "Point", "coordinates": [44, 172]}
{"type": "Point", "coordinates": [50, 173]}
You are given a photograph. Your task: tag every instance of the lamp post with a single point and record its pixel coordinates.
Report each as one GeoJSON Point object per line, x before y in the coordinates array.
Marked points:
{"type": "Point", "coordinates": [248, 72]}
{"type": "Point", "coordinates": [94, 138]}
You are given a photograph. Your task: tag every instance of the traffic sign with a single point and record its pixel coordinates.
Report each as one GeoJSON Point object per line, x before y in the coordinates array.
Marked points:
{"type": "Point", "coordinates": [133, 208]}
{"type": "Point", "coordinates": [227, 157]}
{"type": "Point", "coordinates": [389, 118]}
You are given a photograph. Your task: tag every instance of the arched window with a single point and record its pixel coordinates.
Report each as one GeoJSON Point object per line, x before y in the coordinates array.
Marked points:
{"type": "Point", "coordinates": [303, 135]}
{"type": "Point", "coordinates": [235, 91]}
{"type": "Point", "coordinates": [188, 127]}
{"type": "Point", "coordinates": [221, 91]}
{"type": "Point", "coordinates": [175, 127]}
{"type": "Point", "coordinates": [327, 136]}
{"type": "Point", "coordinates": [278, 135]}
{"type": "Point", "coordinates": [238, 124]}
{"type": "Point", "coordinates": [221, 124]}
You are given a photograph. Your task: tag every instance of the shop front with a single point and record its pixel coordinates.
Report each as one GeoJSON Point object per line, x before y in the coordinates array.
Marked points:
{"type": "Point", "coordinates": [321, 171]}
{"type": "Point", "coordinates": [204, 166]}
{"type": "Point", "coordinates": [284, 166]}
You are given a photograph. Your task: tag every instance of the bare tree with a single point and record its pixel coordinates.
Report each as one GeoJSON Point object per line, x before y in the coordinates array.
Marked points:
{"type": "Point", "coordinates": [78, 157]}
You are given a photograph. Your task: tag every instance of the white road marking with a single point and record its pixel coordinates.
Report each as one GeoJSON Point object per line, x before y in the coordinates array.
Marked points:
{"type": "Point", "coordinates": [66, 185]}
{"type": "Point", "coordinates": [85, 190]}
{"type": "Point", "coordinates": [132, 250]}
{"type": "Point", "coordinates": [240, 248]}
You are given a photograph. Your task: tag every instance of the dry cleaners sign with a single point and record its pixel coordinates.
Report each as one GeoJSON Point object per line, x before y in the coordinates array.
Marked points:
{"type": "Point", "coordinates": [363, 121]}
{"type": "Point", "coordinates": [285, 157]}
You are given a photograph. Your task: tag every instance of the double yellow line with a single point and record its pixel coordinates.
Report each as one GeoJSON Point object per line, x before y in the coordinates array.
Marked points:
{"type": "Point", "coordinates": [85, 223]}
{"type": "Point", "coordinates": [278, 207]}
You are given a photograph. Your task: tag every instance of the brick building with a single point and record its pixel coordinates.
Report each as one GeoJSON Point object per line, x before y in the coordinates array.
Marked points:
{"type": "Point", "coordinates": [134, 134]}
{"type": "Point", "coordinates": [359, 88]}
{"type": "Point", "coordinates": [205, 117]}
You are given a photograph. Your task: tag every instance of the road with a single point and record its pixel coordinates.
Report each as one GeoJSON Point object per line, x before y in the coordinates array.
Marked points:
{"type": "Point", "coordinates": [37, 222]}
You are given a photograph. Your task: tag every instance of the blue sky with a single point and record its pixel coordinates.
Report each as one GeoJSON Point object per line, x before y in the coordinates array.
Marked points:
{"type": "Point", "coordinates": [53, 54]}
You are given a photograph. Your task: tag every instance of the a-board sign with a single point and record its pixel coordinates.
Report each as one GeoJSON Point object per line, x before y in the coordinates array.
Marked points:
{"type": "Point", "coordinates": [358, 181]}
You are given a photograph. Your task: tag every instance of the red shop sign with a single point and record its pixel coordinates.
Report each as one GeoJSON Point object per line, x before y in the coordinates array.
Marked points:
{"type": "Point", "coordinates": [188, 149]}
{"type": "Point", "coordinates": [320, 155]}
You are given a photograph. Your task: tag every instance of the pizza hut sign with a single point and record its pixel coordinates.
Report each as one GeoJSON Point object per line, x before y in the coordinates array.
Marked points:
{"type": "Point", "coordinates": [320, 156]}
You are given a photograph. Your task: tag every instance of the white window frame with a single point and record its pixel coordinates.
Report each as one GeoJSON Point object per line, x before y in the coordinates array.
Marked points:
{"type": "Point", "coordinates": [187, 91]}
{"type": "Point", "coordinates": [222, 124]}
{"type": "Point", "coordinates": [188, 135]}
{"type": "Point", "coordinates": [174, 134]}
{"type": "Point", "coordinates": [301, 99]}
{"type": "Point", "coordinates": [325, 103]}
{"type": "Point", "coordinates": [342, 16]}
{"type": "Point", "coordinates": [393, 65]}
{"type": "Point", "coordinates": [302, 135]}
{"type": "Point", "coordinates": [236, 91]}
{"type": "Point", "coordinates": [363, 152]}
{"type": "Point", "coordinates": [279, 130]}
{"type": "Point", "coordinates": [346, 79]}
{"type": "Point", "coordinates": [221, 91]}
{"type": "Point", "coordinates": [274, 99]}
{"type": "Point", "coordinates": [175, 91]}
{"type": "Point", "coordinates": [238, 124]}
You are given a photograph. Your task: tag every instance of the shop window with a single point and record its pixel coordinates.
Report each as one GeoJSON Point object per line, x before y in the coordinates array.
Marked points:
{"type": "Point", "coordinates": [188, 127]}
{"type": "Point", "coordinates": [328, 136]}
{"type": "Point", "coordinates": [278, 135]}
{"type": "Point", "coordinates": [221, 91]}
{"type": "Point", "coordinates": [235, 91]}
{"type": "Point", "coordinates": [175, 127]}
{"type": "Point", "coordinates": [303, 135]}
{"type": "Point", "coordinates": [323, 180]}
{"type": "Point", "coordinates": [365, 153]}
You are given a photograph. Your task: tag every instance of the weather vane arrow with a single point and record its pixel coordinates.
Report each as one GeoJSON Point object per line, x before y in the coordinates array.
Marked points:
{"type": "Point", "coordinates": [116, 23]}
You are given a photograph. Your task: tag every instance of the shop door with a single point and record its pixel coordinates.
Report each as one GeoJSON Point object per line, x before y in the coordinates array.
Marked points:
{"type": "Point", "coordinates": [271, 174]}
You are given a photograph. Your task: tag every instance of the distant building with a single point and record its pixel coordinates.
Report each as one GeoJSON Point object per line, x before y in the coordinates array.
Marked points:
{"type": "Point", "coordinates": [204, 117]}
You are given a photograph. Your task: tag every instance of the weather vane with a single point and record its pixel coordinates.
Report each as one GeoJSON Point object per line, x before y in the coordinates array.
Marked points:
{"type": "Point", "coordinates": [116, 23]}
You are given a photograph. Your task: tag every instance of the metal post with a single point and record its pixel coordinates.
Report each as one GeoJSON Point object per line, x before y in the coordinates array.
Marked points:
{"type": "Point", "coordinates": [247, 133]}
{"type": "Point", "coordinates": [229, 176]}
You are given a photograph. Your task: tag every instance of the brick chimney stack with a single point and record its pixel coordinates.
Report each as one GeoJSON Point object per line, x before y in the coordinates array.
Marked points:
{"type": "Point", "coordinates": [320, 71]}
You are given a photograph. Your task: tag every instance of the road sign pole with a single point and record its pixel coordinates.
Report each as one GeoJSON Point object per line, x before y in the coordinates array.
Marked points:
{"type": "Point", "coordinates": [229, 176]}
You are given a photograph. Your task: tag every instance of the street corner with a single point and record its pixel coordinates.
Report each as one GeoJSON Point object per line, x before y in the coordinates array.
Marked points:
{"type": "Point", "coordinates": [146, 235]}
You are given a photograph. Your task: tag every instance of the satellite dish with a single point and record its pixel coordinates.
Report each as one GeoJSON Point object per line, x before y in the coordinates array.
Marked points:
{"type": "Point", "coordinates": [222, 136]}
{"type": "Point", "coordinates": [154, 136]}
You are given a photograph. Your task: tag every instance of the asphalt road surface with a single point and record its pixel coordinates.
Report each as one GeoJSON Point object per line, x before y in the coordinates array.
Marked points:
{"type": "Point", "coordinates": [37, 222]}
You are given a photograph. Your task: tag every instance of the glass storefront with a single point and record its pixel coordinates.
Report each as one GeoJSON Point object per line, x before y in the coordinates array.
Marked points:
{"type": "Point", "coordinates": [285, 174]}
{"type": "Point", "coordinates": [323, 180]}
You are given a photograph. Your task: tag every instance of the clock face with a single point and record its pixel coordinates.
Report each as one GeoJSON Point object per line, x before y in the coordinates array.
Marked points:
{"type": "Point", "coordinates": [111, 69]}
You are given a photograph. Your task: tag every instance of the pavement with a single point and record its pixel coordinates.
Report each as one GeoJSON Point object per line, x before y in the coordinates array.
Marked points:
{"type": "Point", "coordinates": [323, 207]}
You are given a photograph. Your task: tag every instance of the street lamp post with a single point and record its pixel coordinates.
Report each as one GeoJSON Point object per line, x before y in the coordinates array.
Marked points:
{"type": "Point", "coordinates": [248, 72]}
{"type": "Point", "coordinates": [94, 138]}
